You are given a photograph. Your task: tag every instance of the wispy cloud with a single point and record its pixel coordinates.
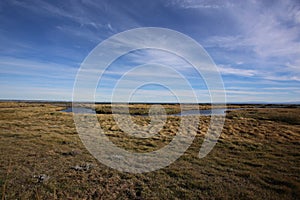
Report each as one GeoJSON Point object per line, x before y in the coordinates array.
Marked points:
{"type": "Point", "coordinates": [27, 79]}
{"type": "Point", "coordinates": [271, 37]}
{"type": "Point", "coordinates": [73, 10]}
{"type": "Point", "coordinates": [202, 4]}
{"type": "Point", "coordinates": [265, 31]}
{"type": "Point", "coordinates": [22, 67]}
{"type": "Point", "coordinates": [227, 70]}
{"type": "Point", "coordinates": [92, 20]}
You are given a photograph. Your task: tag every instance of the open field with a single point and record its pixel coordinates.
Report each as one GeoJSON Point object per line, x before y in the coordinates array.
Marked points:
{"type": "Point", "coordinates": [42, 157]}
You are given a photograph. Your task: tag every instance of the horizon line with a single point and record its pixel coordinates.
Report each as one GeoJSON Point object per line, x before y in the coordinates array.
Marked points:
{"type": "Point", "coordinates": [140, 102]}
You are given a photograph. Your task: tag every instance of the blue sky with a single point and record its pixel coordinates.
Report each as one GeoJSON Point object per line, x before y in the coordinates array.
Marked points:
{"type": "Point", "coordinates": [255, 45]}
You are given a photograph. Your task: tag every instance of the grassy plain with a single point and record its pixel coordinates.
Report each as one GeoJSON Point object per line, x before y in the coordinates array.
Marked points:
{"type": "Point", "coordinates": [42, 156]}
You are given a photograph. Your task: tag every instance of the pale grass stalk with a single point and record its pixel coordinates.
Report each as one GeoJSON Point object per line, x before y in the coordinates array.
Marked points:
{"type": "Point", "coordinates": [4, 185]}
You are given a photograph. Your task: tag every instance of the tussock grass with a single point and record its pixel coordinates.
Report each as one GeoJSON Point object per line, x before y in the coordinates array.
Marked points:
{"type": "Point", "coordinates": [134, 109]}
{"type": "Point", "coordinates": [256, 157]}
{"type": "Point", "coordinates": [282, 115]}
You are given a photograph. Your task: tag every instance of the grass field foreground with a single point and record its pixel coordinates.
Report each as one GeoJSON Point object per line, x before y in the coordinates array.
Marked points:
{"type": "Point", "coordinates": [42, 157]}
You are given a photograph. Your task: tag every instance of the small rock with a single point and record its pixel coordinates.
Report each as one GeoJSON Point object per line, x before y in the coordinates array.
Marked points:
{"type": "Point", "coordinates": [71, 153]}
{"type": "Point", "coordinates": [65, 142]}
{"type": "Point", "coordinates": [84, 167]}
{"type": "Point", "coordinates": [42, 178]}
{"type": "Point", "coordinates": [77, 168]}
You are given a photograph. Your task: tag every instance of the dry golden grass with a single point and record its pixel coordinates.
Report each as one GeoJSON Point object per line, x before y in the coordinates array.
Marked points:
{"type": "Point", "coordinates": [257, 156]}
{"type": "Point", "coordinates": [143, 109]}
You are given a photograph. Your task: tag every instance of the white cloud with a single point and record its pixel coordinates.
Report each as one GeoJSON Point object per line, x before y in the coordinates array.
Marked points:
{"type": "Point", "coordinates": [89, 16]}
{"type": "Point", "coordinates": [294, 65]}
{"type": "Point", "coordinates": [72, 10]}
{"type": "Point", "coordinates": [199, 4]}
{"type": "Point", "coordinates": [270, 31]}
{"type": "Point", "coordinates": [86, 34]}
{"type": "Point", "coordinates": [160, 57]}
{"type": "Point", "coordinates": [227, 70]}
{"type": "Point", "coordinates": [11, 66]}
{"type": "Point", "coordinates": [269, 34]}
{"type": "Point", "coordinates": [283, 78]}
